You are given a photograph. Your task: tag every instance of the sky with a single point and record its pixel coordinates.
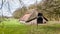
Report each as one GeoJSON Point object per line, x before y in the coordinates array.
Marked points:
{"type": "Point", "coordinates": [9, 6]}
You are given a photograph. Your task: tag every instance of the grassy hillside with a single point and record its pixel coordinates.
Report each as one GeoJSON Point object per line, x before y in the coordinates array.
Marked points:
{"type": "Point", "coordinates": [13, 26]}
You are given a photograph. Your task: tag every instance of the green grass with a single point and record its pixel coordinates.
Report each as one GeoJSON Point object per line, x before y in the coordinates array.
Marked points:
{"type": "Point", "coordinates": [13, 26]}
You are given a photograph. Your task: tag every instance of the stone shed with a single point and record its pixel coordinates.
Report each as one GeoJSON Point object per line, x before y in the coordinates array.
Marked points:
{"type": "Point", "coordinates": [30, 17]}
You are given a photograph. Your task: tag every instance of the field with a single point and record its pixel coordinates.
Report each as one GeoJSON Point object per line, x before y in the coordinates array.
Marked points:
{"type": "Point", "coordinates": [13, 26]}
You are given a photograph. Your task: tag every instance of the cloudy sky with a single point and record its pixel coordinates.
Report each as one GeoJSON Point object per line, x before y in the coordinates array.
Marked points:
{"type": "Point", "coordinates": [14, 4]}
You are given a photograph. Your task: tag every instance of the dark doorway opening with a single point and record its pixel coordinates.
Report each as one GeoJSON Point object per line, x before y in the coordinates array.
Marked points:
{"type": "Point", "coordinates": [40, 18]}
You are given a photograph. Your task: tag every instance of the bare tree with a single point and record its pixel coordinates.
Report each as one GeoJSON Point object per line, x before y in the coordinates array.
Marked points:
{"type": "Point", "coordinates": [1, 8]}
